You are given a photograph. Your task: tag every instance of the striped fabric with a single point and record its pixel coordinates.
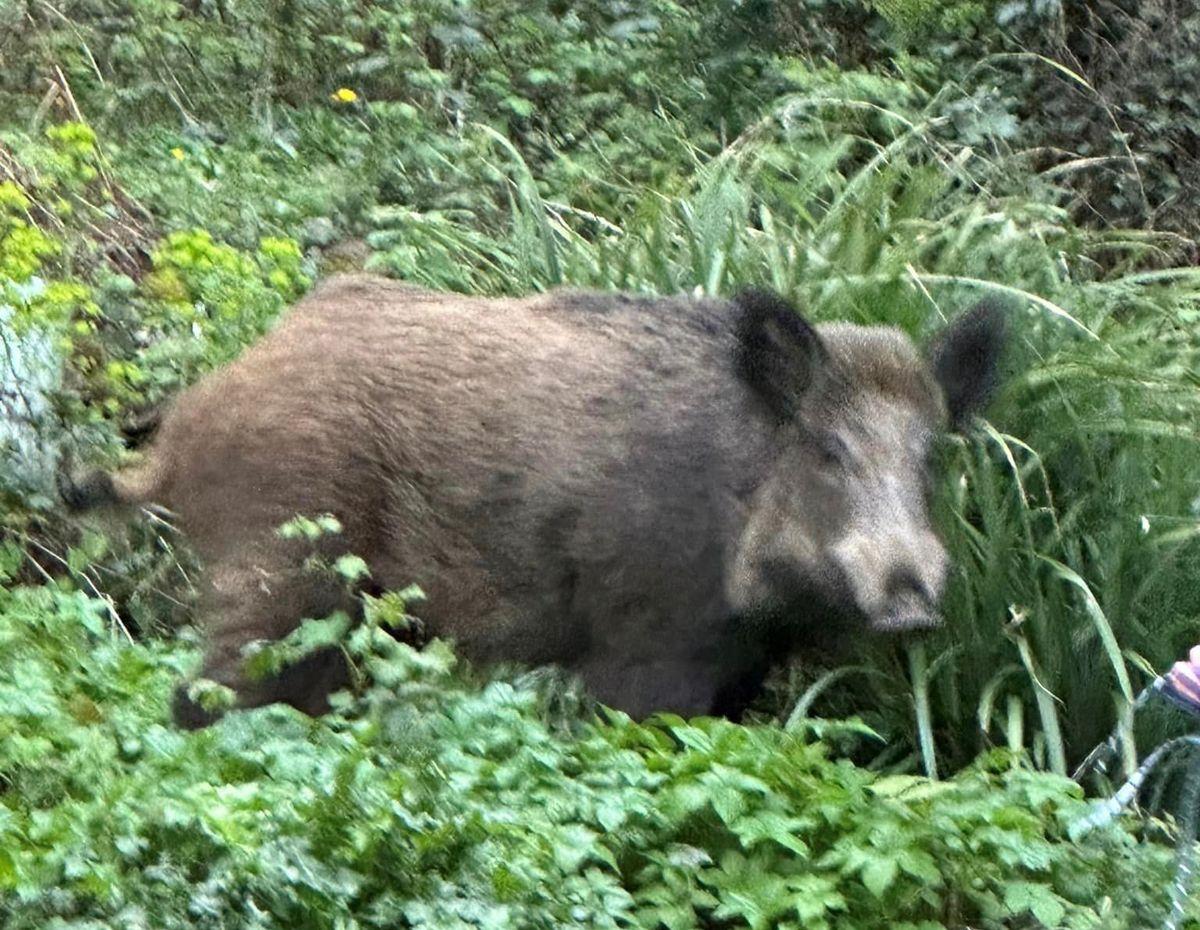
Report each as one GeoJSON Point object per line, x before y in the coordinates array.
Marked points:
{"type": "Point", "coordinates": [1183, 683]}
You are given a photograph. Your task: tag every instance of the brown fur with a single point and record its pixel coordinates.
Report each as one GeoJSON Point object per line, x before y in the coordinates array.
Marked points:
{"type": "Point", "coordinates": [638, 489]}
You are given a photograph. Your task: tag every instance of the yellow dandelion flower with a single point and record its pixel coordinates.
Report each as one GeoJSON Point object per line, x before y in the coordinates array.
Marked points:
{"type": "Point", "coordinates": [344, 95]}
{"type": "Point", "coordinates": [178, 154]}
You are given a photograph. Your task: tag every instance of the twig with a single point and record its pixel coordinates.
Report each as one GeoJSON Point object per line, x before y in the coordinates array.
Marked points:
{"type": "Point", "coordinates": [38, 565]}
{"type": "Point", "coordinates": [78, 35]}
{"type": "Point", "coordinates": [100, 595]}
{"type": "Point", "coordinates": [158, 592]}
{"type": "Point", "coordinates": [47, 101]}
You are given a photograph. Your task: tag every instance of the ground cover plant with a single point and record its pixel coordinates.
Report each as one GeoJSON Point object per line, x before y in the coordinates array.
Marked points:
{"type": "Point", "coordinates": [434, 802]}
{"type": "Point", "coordinates": [166, 190]}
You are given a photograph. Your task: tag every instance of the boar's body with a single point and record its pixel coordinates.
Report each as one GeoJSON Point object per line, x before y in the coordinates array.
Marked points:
{"type": "Point", "coordinates": [600, 481]}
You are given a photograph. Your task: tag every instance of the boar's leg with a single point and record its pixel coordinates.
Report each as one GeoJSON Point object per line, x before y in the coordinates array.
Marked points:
{"type": "Point", "coordinates": [257, 598]}
{"type": "Point", "coordinates": [640, 685]}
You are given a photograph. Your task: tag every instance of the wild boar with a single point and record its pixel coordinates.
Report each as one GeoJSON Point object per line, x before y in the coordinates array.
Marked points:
{"type": "Point", "coordinates": [661, 494]}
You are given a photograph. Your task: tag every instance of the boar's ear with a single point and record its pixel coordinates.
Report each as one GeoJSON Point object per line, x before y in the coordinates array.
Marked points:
{"type": "Point", "coordinates": [966, 359]}
{"type": "Point", "coordinates": [779, 351]}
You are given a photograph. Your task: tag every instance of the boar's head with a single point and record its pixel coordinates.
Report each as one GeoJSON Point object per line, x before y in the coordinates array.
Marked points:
{"type": "Point", "coordinates": [841, 526]}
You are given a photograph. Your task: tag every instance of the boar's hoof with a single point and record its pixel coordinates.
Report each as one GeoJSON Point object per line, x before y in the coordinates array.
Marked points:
{"type": "Point", "coordinates": [188, 714]}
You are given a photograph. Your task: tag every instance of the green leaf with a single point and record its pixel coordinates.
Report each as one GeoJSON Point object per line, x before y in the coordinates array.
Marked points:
{"type": "Point", "coordinates": [1036, 898]}
{"type": "Point", "coordinates": [879, 874]}
{"type": "Point", "coordinates": [920, 865]}
{"type": "Point", "coordinates": [351, 567]}
{"type": "Point", "coordinates": [760, 826]}
{"type": "Point", "coordinates": [519, 105]}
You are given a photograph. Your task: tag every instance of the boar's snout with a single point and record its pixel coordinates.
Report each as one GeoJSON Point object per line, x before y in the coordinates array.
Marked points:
{"type": "Point", "coordinates": [909, 614]}
{"type": "Point", "coordinates": [894, 580]}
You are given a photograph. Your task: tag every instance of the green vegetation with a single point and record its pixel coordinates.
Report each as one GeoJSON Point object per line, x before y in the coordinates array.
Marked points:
{"type": "Point", "coordinates": [438, 803]}
{"type": "Point", "coordinates": [172, 175]}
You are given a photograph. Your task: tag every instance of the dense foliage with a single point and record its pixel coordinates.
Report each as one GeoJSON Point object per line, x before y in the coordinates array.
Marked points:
{"type": "Point", "coordinates": [173, 174]}
{"type": "Point", "coordinates": [436, 803]}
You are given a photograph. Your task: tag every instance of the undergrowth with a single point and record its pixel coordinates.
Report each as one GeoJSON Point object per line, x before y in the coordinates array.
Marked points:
{"type": "Point", "coordinates": [431, 801]}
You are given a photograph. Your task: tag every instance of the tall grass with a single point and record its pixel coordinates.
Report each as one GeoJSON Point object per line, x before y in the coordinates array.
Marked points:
{"type": "Point", "coordinates": [1073, 516]}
